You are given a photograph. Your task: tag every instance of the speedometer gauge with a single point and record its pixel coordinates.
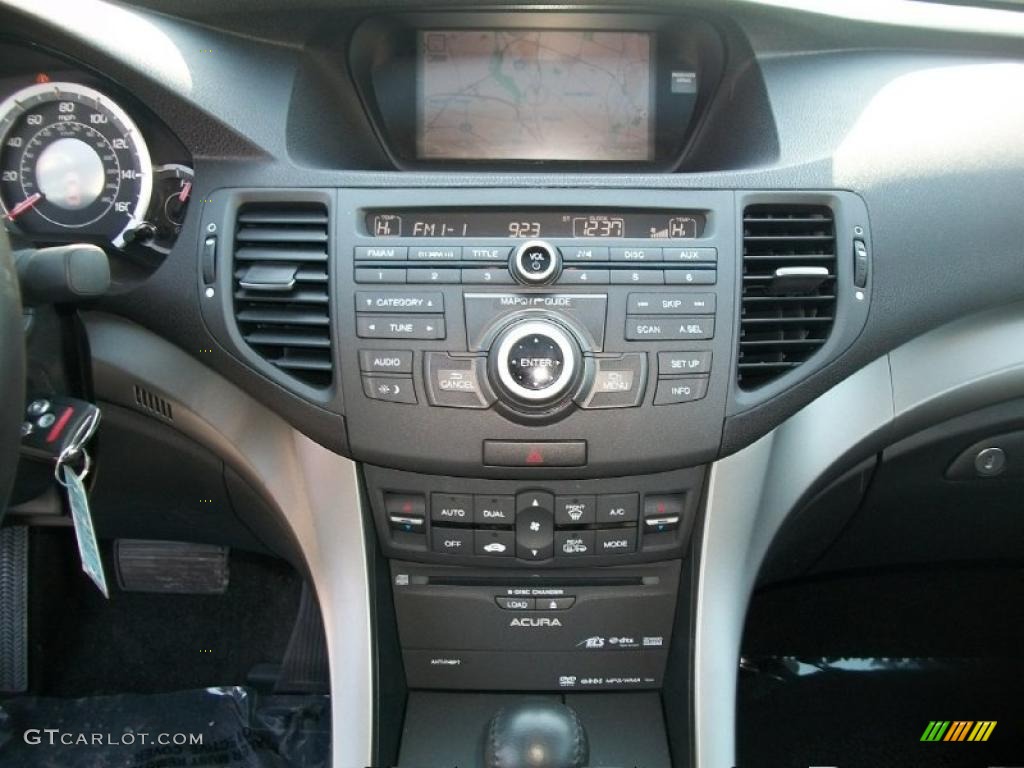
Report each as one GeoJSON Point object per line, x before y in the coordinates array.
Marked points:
{"type": "Point", "coordinates": [73, 165]}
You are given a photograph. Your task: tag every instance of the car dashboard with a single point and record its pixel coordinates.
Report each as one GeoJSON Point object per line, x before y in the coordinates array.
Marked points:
{"type": "Point", "coordinates": [539, 322]}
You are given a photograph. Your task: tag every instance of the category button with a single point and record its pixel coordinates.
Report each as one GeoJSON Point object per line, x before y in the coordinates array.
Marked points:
{"type": "Point", "coordinates": [678, 363]}
{"type": "Point", "coordinates": [435, 253]}
{"type": "Point", "coordinates": [399, 301]}
{"type": "Point", "coordinates": [676, 303]}
{"type": "Point", "coordinates": [385, 361]}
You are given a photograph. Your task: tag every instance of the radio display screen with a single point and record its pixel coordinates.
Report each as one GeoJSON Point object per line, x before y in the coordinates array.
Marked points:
{"type": "Point", "coordinates": [647, 224]}
{"type": "Point", "coordinates": [530, 94]}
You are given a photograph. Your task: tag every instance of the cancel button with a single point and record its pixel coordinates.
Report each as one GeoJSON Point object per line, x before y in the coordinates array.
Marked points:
{"type": "Point", "coordinates": [456, 382]}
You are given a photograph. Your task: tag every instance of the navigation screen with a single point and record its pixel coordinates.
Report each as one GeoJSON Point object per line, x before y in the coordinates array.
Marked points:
{"type": "Point", "coordinates": [535, 95]}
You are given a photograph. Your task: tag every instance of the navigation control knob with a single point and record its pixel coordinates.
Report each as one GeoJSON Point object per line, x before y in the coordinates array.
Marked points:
{"type": "Point", "coordinates": [535, 362]}
{"type": "Point", "coordinates": [535, 263]}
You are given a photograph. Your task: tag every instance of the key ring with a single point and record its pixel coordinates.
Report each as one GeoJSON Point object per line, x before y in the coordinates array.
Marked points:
{"type": "Point", "coordinates": [62, 462]}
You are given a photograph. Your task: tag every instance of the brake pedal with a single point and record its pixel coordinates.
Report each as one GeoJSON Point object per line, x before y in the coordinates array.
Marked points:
{"type": "Point", "coordinates": [14, 609]}
{"type": "Point", "coordinates": [171, 567]}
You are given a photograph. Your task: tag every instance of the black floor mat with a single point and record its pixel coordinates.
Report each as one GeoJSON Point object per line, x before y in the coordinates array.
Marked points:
{"type": "Point", "coordinates": [85, 645]}
{"type": "Point", "coordinates": [235, 728]}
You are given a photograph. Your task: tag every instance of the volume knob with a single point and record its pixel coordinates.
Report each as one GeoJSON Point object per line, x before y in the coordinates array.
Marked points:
{"type": "Point", "coordinates": [535, 263]}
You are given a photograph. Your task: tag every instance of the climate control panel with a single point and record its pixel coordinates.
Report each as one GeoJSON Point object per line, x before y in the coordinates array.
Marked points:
{"type": "Point", "coordinates": [550, 524]}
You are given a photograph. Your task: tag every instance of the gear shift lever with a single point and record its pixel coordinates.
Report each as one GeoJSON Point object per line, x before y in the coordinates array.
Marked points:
{"type": "Point", "coordinates": [537, 733]}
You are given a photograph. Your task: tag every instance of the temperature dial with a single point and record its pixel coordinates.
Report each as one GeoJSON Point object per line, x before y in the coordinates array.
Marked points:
{"type": "Point", "coordinates": [535, 263]}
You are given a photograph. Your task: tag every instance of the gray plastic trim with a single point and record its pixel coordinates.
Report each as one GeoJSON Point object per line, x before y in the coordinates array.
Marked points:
{"type": "Point", "coordinates": [316, 492]}
{"type": "Point", "coordinates": [962, 366]}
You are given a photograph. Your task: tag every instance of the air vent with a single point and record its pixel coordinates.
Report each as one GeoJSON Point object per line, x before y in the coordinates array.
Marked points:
{"type": "Point", "coordinates": [281, 289]}
{"type": "Point", "coordinates": [153, 404]}
{"type": "Point", "coordinates": [789, 287]}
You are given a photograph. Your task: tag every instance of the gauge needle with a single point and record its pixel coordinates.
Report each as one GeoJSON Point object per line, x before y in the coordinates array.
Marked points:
{"type": "Point", "coordinates": [186, 188]}
{"type": "Point", "coordinates": [24, 205]}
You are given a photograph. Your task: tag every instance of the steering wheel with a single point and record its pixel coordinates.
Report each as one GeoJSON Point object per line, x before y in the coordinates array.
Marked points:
{"type": "Point", "coordinates": [12, 370]}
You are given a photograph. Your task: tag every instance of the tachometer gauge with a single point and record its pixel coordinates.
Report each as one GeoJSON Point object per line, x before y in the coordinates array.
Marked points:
{"type": "Point", "coordinates": [73, 165]}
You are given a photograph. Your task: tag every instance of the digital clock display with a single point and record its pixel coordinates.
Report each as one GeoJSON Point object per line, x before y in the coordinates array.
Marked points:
{"type": "Point", "coordinates": [525, 224]}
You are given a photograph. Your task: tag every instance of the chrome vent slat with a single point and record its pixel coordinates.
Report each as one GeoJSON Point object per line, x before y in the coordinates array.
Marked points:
{"type": "Point", "coordinates": [291, 328]}
{"type": "Point", "coordinates": [782, 325]}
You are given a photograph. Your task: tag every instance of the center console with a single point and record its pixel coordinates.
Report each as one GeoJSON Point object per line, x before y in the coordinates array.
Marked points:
{"type": "Point", "coordinates": [555, 366]}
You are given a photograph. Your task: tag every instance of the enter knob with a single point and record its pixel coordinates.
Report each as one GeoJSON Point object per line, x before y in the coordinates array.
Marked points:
{"type": "Point", "coordinates": [536, 362]}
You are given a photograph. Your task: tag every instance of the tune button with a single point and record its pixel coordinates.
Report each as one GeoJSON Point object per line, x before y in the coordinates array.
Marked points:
{"type": "Point", "coordinates": [535, 263]}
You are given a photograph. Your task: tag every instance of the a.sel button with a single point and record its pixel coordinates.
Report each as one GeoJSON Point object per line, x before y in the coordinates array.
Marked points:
{"type": "Point", "coordinates": [451, 508]}
{"type": "Point", "coordinates": [403, 327]}
{"type": "Point", "coordinates": [681, 390]}
{"type": "Point", "coordinates": [657, 328]}
{"type": "Point", "coordinates": [451, 541]}
{"type": "Point", "coordinates": [676, 303]}
{"type": "Point", "coordinates": [615, 541]}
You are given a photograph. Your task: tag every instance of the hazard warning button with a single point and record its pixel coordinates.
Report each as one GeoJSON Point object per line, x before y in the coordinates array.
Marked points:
{"type": "Point", "coordinates": [524, 453]}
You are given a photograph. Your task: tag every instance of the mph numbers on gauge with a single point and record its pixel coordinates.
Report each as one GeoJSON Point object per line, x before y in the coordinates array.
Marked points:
{"type": "Point", "coordinates": [73, 165]}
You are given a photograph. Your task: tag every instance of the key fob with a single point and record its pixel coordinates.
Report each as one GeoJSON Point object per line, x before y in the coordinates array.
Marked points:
{"type": "Point", "coordinates": [55, 428]}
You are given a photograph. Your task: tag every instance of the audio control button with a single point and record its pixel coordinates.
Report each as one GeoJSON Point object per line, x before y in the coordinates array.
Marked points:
{"type": "Point", "coordinates": [674, 303]}
{"type": "Point", "coordinates": [485, 253]}
{"type": "Point", "coordinates": [585, 253]}
{"type": "Point", "coordinates": [661, 328]}
{"type": "Point", "coordinates": [636, 254]}
{"type": "Point", "coordinates": [574, 276]}
{"type": "Point", "coordinates": [535, 263]}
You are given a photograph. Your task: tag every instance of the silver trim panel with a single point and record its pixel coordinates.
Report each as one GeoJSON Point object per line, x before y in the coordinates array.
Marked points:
{"type": "Point", "coordinates": [316, 492]}
{"type": "Point", "coordinates": [968, 364]}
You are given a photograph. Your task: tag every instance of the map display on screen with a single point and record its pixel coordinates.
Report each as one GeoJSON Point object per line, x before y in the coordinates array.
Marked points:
{"type": "Point", "coordinates": [535, 95]}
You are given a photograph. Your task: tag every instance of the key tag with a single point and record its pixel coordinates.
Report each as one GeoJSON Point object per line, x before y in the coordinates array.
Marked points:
{"type": "Point", "coordinates": [85, 534]}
